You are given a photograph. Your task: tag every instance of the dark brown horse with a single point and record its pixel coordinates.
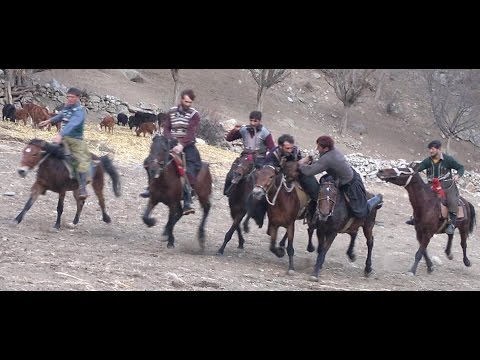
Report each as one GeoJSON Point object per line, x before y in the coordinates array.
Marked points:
{"type": "Point", "coordinates": [54, 175]}
{"type": "Point", "coordinates": [166, 187]}
{"type": "Point", "coordinates": [334, 218]}
{"type": "Point", "coordinates": [284, 205]}
{"type": "Point", "coordinates": [426, 212]}
{"type": "Point", "coordinates": [242, 185]}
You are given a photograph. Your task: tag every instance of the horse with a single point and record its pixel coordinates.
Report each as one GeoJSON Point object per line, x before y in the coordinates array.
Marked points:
{"type": "Point", "coordinates": [242, 185]}
{"type": "Point", "coordinates": [166, 187]}
{"type": "Point", "coordinates": [334, 218]}
{"type": "Point", "coordinates": [427, 214]}
{"type": "Point", "coordinates": [54, 175]}
{"type": "Point", "coordinates": [284, 205]}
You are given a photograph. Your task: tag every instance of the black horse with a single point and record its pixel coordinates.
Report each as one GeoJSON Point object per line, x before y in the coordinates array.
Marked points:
{"type": "Point", "coordinates": [335, 218]}
{"type": "Point", "coordinates": [166, 187]}
{"type": "Point", "coordinates": [426, 211]}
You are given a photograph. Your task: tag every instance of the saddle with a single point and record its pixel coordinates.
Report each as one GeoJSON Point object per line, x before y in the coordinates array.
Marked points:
{"type": "Point", "coordinates": [304, 200]}
{"type": "Point", "coordinates": [71, 163]}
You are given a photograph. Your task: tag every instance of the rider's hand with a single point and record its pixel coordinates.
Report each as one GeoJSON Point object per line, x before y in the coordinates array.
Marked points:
{"type": "Point", "coordinates": [456, 177]}
{"type": "Point", "coordinates": [178, 148]}
{"type": "Point", "coordinates": [43, 123]}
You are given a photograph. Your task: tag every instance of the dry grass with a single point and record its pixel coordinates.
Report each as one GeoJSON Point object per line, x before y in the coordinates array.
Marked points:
{"type": "Point", "coordinates": [123, 146]}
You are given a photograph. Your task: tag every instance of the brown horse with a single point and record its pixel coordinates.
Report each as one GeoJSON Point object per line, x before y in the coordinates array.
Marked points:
{"type": "Point", "coordinates": [242, 185]}
{"type": "Point", "coordinates": [283, 209]}
{"type": "Point", "coordinates": [334, 218]}
{"type": "Point", "coordinates": [54, 175]}
{"type": "Point", "coordinates": [166, 187]}
{"type": "Point", "coordinates": [426, 211]}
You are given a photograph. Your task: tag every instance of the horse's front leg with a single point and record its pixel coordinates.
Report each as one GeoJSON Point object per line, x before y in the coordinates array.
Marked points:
{"type": "Point", "coordinates": [174, 214]}
{"type": "Point", "coordinates": [229, 234]}
{"type": "Point", "coordinates": [325, 240]}
{"type": "Point", "coordinates": [290, 249]}
{"type": "Point", "coordinates": [310, 247]}
{"type": "Point", "coordinates": [463, 243]}
{"type": "Point", "coordinates": [36, 191]}
{"type": "Point", "coordinates": [80, 204]}
{"type": "Point", "coordinates": [448, 249]}
{"type": "Point", "coordinates": [61, 199]}
{"type": "Point", "coordinates": [149, 221]}
{"type": "Point", "coordinates": [272, 231]}
{"type": "Point", "coordinates": [350, 251]}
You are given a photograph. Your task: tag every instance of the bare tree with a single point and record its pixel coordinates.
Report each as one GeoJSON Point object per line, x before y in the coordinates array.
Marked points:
{"type": "Point", "coordinates": [176, 78]}
{"type": "Point", "coordinates": [454, 99]}
{"type": "Point", "coordinates": [8, 86]}
{"type": "Point", "coordinates": [348, 85]}
{"type": "Point", "coordinates": [265, 79]}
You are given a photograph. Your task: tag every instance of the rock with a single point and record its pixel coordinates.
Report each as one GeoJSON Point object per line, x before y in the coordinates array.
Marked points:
{"type": "Point", "coordinates": [9, 193]}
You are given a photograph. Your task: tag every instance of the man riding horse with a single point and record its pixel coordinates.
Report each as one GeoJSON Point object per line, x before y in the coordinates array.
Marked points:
{"type": "Point", "coordinates": [335, 164]}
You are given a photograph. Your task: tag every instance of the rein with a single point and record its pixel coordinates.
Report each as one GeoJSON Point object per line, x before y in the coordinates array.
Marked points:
{"type": "Point", "coordinates": [279, 187]}
{"type": "Point", "coordinates": [411, 173]}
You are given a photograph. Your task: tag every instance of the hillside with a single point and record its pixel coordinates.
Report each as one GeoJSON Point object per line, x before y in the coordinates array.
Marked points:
{"type": "Point", "coordinates": [304, 105]}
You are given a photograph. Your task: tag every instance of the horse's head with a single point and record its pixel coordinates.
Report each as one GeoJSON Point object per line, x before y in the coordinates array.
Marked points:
{"type": "Point", "coordinates": [397, 176]}
{"type": "Point", "coordinates": [158, 157]}
{"type": "Point", "coordinates": [327, 197]}
{"type": "Point", "coordinates": [264, 180]}
{"type": "Point", "coordinates": [290, 169]}
{"type": "Point", "coordinates": [244, 167]}
{"type": "Point", "coordinates": [31, 156]}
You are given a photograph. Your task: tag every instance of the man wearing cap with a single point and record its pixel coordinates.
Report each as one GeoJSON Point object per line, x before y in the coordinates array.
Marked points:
{"type": "Point", "coordinates": [440, 165]}
{"type": "Point", "coordinates": [72, 117]}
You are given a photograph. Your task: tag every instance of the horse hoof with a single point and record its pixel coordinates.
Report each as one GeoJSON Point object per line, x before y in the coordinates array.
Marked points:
{"type": "Point", "coordinates": [219, 253]}
{"type": "Point", "coordinates": [149, 221]}
{"type": "Point", "coordinates": [291, 272]}
{"type": "Point", "coordinates": [240, 246]}
{"type": "Point", "coordinates": [368, 272]}
{"type": "Point", "coordinates": [467, 262]}
{"type": "Point", "coordinates": [449, 256]}
{"type": "Point", "coordinates": [170, 246]}
{"type": "Point", "coordinates": [14, 223]}
{"type": "Point", "coordinates": [430, 269]}
{"type": "Point", "coordinates": [411, 273]}
{"type": "Point", "coordinates": [280, 252]}
{"type": "Point", "coordinates": [107, 219]}
{"type": "Point", "coordinates": [310, 248]}
{"type": "Point", "coordinates": [313, 278]}
{"type": "Point", "coordinates": [352, 258]}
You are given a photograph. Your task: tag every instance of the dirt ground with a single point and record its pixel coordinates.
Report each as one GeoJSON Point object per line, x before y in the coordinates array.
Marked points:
{"type": "Point", "coordinates": [127, 255]}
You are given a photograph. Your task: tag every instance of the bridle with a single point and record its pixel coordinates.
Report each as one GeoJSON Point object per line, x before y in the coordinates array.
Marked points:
{"type": "Point", "coordinates": [279, 187]}
{"type": "Point", "coordinates": [401, 172]}
{"type": "Point", "coordinates": [332, 199]}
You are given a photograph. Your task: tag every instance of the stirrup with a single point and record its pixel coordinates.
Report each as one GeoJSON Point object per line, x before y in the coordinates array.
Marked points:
{"type": "Point", "coordinates": [188, 211]}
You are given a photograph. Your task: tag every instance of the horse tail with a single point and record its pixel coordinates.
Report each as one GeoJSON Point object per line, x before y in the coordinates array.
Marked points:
{"type": "Point", "coordinates": [110, 169]}
{"type": "Point", "coordinates": [256, 209]}
{"type": "Point", "coordinates": [473, 219]}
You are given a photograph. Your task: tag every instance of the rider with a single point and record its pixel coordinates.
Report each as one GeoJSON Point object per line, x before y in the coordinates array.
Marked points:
{"type": "Point", "coordinates": [182, 125]}
{"type": "Point", "coordinates": [72, 117]}
{"type": "Point", "coordinates": [257, 140]}
{"type": "Point", "coordinates": [287, 151]}
{"type": "Point", "coordinates": [335, 164]}
{"type": "Point", "coordinates": [440, 165]}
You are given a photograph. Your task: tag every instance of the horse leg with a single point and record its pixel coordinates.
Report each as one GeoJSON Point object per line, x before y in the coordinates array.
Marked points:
{"type": "Point", "coordinates": [272, 231]}
{"type": "Point", "coordinates": [310, 247]}
{"type": "Point", "coordinates": [201, 229]}
{"type": "Point", "coordinates": [98, 188]}
{"type": "Point", "coordinates": [448, 249]}
{"type": "Point", "coordinates": [61, 198]}
{"type": "Point", "coordinates": [36, 191]}
{"type": "Point", "coordinates": [246, 228]}
{"type": "Point", "coordinates": [284, 240]}
{"type": "Point", "coordinates": [428, 261]}
{"type": "Point", "coordinates": [350, 251]}
{"type": "Point", "coordinates": [228, 235]}
{"type": "Point", "coordinates": [174, 214]}
{"type": "Point", "coordinates": [80, 204]}
{"type": "Point", "coordinates": [290, 250]}
{"type": "Point", "coordinates": [463, 242]}
{"type": "Point", "coordinates": [324, 243]}
{"type": "Point", "coordinates": [149, 221]}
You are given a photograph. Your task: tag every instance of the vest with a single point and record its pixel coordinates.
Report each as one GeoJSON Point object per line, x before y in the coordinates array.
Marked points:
{"type": "Point", "coordinates": [255, 143]}
{"type": "Point", "coordinates": [180, 120]}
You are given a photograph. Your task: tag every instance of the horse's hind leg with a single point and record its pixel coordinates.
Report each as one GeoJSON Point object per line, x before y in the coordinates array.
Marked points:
{"type": "Point", "coordinates": [174, 214]}
{"type": "Point", "coordinates": [310, 247]}
{"type": "Point", "coordinates": [36, 191]}
{"type": "Point", "coordinates": [246, 227]}
{"type": "Point", "coordinates": [463, 242]}
{"type": "Point", "coordinates": [61, 198]}
{"type": "Point", "coordinates": [201, 229]}
{"type": "Point", "coordinates": [428, 261]}
{"type": "Point", "coordinates": [290, 249]}
{"type": "Point", "coordinates": [350, 251]}
{"type": "Point", "coordinates": [98, 188]}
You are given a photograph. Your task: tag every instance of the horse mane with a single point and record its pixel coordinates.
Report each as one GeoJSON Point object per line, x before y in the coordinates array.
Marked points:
{"type": "Point", "coordinates": [56, 151]}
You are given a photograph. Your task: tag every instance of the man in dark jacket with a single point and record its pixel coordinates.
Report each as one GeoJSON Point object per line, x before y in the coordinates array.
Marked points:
{"type": "Point", "coordinates": [335, 164]}
{"type": "Point", "coordinates": [439, 165]}
{"type": "Point", "coordinates": [288, 151]}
